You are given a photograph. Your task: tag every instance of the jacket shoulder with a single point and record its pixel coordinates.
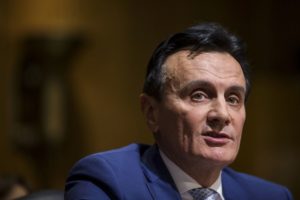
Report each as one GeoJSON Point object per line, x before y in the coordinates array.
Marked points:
{"type": "Point", "coordinates": [105, 174]}
{"type": "Point", "coordinates": [109, 159]}
{"type": "Point", "coordinates": [253, 187]}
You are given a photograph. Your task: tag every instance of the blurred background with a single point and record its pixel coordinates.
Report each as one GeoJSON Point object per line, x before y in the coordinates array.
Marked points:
{"type": "Point", "coordinates": [72, 71]}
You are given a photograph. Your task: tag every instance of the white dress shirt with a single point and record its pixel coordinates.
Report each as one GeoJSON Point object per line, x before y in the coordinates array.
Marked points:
{"type": "Point", "coordinates": [184, 182]}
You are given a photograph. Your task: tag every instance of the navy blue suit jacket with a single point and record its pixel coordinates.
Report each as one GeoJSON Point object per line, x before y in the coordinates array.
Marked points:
{"type": "Point", "coordinates": [137, 172]}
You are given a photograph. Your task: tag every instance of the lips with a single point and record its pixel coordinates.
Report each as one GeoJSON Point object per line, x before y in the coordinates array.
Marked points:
{"type": "Point", "coordinates": [216, 134]}
{"type": "Point", "coordinates": [216, 138]}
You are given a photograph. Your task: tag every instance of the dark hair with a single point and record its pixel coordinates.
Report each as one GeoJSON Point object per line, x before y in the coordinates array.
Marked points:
{"type": "Point", "coordinates": [206, 37]}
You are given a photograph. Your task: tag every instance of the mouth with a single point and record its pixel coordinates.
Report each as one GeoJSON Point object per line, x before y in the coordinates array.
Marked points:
{"type": "Point", "coordinates": [216, 134]}
{"type": "Point", "coordinates": [216, 138]}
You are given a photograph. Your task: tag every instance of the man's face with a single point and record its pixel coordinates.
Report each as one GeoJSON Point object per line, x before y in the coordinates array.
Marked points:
{"type": "Point", "coordinates": [202, 112]}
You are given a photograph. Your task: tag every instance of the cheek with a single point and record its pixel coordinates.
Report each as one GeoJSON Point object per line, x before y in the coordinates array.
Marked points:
{"type": "Point", "coordinates": [240, 123]}
{"type": "Point", "coordinates": [238, 120]}
{"type": "Point", "coordinates": [194, 120]}
{"type": "Point", "coordinates": [168, 122]}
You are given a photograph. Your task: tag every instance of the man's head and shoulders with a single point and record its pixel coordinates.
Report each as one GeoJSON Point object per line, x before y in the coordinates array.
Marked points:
{"type": "Point", "coordinates": [193, 99]}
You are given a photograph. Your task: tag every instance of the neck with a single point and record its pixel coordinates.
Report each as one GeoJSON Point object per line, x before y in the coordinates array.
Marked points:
{"type": "Point", "coordinates": [203, 171]}
{"type": "Point", "coordinates": [204, 174]}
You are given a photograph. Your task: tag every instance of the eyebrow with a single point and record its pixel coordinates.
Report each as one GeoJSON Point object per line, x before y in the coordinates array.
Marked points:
{"type": "Point", "coordinates": [238, 89]}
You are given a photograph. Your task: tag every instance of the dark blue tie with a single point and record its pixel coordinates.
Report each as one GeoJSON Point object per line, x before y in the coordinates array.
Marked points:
{"type": "Point", "coordinates": [204, 194]}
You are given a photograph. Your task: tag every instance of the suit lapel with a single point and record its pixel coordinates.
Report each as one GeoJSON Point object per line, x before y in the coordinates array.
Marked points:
{"type": "Point", "coordinates": [232, 190]}
{"type": "Point", "coordinates": [159, 180]}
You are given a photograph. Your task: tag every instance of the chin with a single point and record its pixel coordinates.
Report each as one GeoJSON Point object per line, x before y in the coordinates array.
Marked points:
{"type": "Point", "coordinates": [219, 163]}
{"type": "Point", "coordinates": [221, 158]}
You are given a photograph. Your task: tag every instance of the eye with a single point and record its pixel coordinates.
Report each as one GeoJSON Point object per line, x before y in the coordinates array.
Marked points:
{"type": "Point", "coordinates": [198, 96]}
{"type": "Point", "coordinates": [233, 100]}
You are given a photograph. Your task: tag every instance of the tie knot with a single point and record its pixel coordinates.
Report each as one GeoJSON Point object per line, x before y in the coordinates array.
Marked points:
{"type": "Point", "coordinates": [204, 194]}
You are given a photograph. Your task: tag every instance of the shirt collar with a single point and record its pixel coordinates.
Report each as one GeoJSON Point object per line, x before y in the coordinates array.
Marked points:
{"type": "Point", "coordinates": [183, 181]}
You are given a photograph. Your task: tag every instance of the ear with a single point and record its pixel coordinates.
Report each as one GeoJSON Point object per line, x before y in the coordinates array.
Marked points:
{"type": "Point", "coordinates": [149, 107]}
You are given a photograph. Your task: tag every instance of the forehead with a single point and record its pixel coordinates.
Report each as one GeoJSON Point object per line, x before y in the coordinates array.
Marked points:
{"type": "Point", "coordinates": [182, 67]}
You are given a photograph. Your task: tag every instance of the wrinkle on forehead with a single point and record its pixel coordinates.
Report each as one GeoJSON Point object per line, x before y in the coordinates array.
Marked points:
{"type": "Point", "coordinates": [211, 65]}
{"type": "Point", "coordinates": [180, 66]}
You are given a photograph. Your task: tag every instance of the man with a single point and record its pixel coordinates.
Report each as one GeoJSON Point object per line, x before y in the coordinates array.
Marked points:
{"type": "Point", "coordinates": [194, 97]}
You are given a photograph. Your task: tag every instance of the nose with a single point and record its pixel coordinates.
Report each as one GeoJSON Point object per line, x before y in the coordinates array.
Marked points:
{"type": "Point", "coordinates": [218, 115]}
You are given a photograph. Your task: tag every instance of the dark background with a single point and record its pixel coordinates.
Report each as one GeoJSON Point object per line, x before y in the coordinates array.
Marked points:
{"type": "Point", "coordinates": [105, 73]}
